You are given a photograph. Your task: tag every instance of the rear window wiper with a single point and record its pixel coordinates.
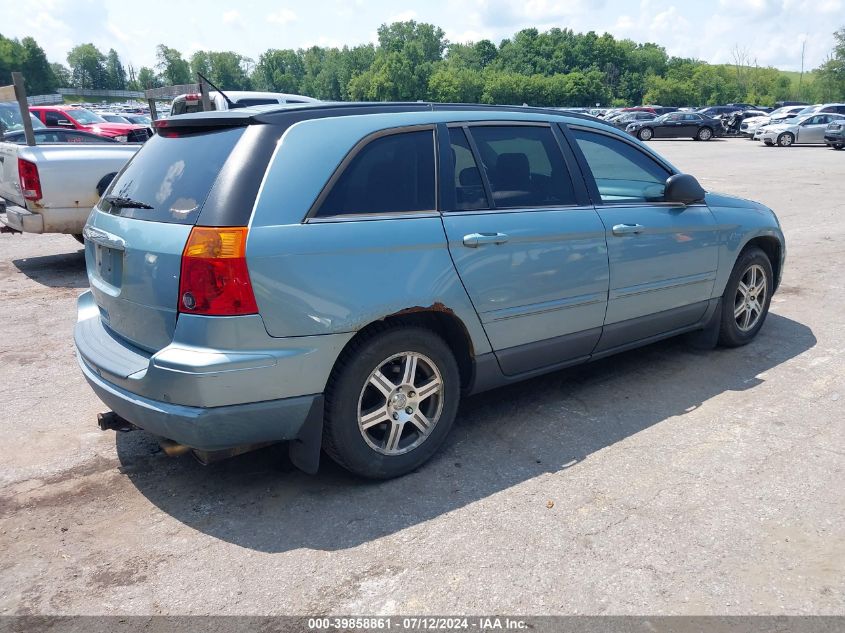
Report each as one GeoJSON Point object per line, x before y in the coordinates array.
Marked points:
{"type": "Point", "coordinates": [126, 203]}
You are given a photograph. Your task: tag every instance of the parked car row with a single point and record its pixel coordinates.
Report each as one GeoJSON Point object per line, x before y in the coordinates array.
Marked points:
{"type": "Point", "coordinates": [817, 124]}
{"type": "Point", "coordinates": [787, 125]}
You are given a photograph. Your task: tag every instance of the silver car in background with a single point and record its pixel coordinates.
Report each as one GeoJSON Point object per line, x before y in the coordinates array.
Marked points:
{"type": "Point", "coordinates": [750, 125]}
{"type": "Point", "coordinates": [804, 129]}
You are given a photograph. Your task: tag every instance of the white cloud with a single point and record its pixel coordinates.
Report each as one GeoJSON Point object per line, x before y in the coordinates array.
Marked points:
{"type": "Point", "coordinates": [404, 16]}
{"type": "Point", "coordinates": [282, 16]}
{"type": "Point", "coordinates": [233, 18]}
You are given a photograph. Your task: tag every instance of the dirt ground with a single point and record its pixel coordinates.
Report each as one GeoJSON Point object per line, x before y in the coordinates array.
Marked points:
{"type": "Point", "coordinates": [662, 481]}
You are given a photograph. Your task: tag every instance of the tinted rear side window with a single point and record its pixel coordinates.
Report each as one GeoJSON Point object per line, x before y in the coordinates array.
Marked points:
{"type": "Point", "coordinates": [524, 166]}
{"type": "Point", "coordinates": [390, 174]}
{"type": "Point", "coordinates": [173, 175]}
{"type": "Point", "coordinates": [469, 188]}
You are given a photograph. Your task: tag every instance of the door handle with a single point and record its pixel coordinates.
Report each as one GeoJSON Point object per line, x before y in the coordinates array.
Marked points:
{"type": "Point", "coordinates": [628, 229]}
{"type": "Point", "coordinates": [474, 240]}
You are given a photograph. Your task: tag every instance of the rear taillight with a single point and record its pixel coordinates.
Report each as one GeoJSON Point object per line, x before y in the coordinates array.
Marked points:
{"type": "Point", "coordinates": [214, 279]}
{"type": "Point", "coordinates": [30, 182]}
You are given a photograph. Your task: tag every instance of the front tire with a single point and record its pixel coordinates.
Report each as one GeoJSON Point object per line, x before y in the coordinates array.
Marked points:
{"type": "Point", "coordinates": [390, 402]}
{"type": "Point", "coordinates": [746, 300]}
{"type": "Point", "coordinates": [78, 237]}
{"type": "Point", "coordinates": [786, 139]}
{"type": "Point", "coordinates": [645, 134]}
{"type": "Point", "coordinates": [837, 146]}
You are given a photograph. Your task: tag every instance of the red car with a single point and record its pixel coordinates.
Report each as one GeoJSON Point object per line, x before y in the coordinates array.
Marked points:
{"type": "Point", "coordinates": [85, 120]}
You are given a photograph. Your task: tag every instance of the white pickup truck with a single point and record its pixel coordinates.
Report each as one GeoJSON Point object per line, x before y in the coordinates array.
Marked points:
{"type": "Point", "coordinates": [52, 188]}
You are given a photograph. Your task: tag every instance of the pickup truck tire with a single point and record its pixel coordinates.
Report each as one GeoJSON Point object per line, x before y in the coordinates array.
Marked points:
{"type": "Point", "coordinates": [382, 419]}
{"type": "Point", "coordinates": [78, 237]}
{"type": "Point", "coordinates": [104, 183]}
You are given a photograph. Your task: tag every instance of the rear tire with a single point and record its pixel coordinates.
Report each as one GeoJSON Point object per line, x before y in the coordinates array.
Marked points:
{"type": "Point", "coordinates": [381, 421]}
{"type": "Point", "coordinates": [704, 134]}
{"type": "Point", "coordinates": [746, 300]}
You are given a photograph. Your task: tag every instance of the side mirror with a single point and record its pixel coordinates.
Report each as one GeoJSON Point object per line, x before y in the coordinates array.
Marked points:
{"type": "Point", "coordinates": [683, 189]}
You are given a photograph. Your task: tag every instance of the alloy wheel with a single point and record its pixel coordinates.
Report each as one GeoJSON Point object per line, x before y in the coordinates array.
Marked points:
{"type": "Point", "coordinates": [400, 403]}
{"type": "Point", "coordinates": [750, 297]}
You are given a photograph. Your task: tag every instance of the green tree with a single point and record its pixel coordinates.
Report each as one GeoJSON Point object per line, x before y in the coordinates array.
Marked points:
{"type": "Point", "coordinates": [87, 67]}
{"type": "Point", "coordinates": [11, 58]}
{"type": "Point", "coordinates": [226, 69]}
{"type": "Point", "coordinates": [115, 72]}
{"type": "Point", "coordinates": [147, 78]}
{"type": "Point", "coordinates": [455, 85]}
{"type": "Point", "coordinates": [172, 68]}
{"type": "Point", "coordinates": [279, 71]}
{"type": "Point", "coordinates": [36, 69]}
{"type": "Point", "coordinates": [403, 63]}
{"type": "Point", "coordinates": [62, 74]}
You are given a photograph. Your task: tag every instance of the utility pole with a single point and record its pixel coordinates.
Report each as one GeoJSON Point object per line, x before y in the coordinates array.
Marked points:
{"type": "Point", "coordinates": [801, 76]}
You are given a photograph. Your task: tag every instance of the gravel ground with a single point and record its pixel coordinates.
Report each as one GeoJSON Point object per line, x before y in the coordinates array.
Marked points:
{"type": "Point", "coordinates": [662, 481]}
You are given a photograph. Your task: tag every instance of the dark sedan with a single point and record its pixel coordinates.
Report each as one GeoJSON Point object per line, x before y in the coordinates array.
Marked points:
{"type": "Point", "coordinates": [676, 125]}
{"type": "Point", "coordinates": [623, 121]}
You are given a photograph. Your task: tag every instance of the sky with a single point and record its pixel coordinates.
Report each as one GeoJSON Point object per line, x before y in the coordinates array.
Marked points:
{"type": "Point", "coordinates": [770, 31]}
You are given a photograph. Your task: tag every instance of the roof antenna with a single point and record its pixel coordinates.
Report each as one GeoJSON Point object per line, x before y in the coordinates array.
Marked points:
{"type": "Point", "coordinates": [232, 105]}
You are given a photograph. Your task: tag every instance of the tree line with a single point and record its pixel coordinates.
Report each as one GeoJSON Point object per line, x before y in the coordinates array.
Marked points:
{"type": "Point", "coordinates": [413, 61]}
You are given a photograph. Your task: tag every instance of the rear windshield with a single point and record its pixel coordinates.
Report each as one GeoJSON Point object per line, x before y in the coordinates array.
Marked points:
{"type": "Point", "coordinates": [173, 175]}
{"type": "Point", "coordinates": [183, 106]}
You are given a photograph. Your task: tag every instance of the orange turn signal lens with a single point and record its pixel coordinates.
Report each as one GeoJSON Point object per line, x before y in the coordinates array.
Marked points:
{"type": "Point", "coordinates": [215, 242]}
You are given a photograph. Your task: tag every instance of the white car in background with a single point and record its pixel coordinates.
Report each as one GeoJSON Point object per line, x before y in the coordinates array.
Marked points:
{"type": "Point", "coordinates": [805, 129]}
{"type": "Point", "coordinates": [750, 125]}
{"type": "Point", "coordinates": [189, 103]}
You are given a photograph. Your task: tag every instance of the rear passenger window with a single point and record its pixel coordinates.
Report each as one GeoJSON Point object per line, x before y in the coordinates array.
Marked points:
{"type": "Point", "coordinates": [391, 174]}
{"type": "Point", "coordinates": [622, 172]}
{"type": "Point", "coordinates": [469, 188]}
{"type": "Point", "coordinates": [524, 166]}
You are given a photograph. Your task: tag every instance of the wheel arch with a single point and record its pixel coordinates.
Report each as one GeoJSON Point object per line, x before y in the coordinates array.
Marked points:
{"type": "Point", "coordinates": [773, 249]}
{"type": "Point", "coordinates": [437, 317]}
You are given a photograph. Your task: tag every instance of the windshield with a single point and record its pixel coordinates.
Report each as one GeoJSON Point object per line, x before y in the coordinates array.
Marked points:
{"type": "Point", "coordinates": [84, 117]}
{"type": "Point", "coordinates": [808, 110]}
{"type": "Point", "coordinates": [114, 118]}
{"type": "Point", "coordinates": [10, 118]}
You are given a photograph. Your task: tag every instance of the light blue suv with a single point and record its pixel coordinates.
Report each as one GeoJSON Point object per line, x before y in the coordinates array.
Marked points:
{"type": "Point", "coordinates": [339, 275]}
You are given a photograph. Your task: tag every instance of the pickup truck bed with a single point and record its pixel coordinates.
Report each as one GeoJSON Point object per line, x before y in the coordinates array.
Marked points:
{"type": "Point", "coordinates": [71, 177]}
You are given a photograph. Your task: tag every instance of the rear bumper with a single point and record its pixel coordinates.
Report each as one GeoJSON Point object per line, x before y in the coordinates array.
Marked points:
{"type": "Point", "coordinates": [45, 220]}
{"type": "Point", "coordinates": [222, 382]}
{"type": "Point", "coordinates": [834, 140]}
{"type": "Point", "coordinates": [214, 428]}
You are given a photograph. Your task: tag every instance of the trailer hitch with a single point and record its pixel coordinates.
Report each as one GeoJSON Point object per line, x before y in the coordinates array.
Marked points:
{"type": "Point", "coordinates": [112, 421]}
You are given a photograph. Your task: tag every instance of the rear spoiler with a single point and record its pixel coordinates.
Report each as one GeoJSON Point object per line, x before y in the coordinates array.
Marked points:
{"type": "Point", "coordinates": [200, 121]}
